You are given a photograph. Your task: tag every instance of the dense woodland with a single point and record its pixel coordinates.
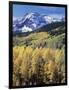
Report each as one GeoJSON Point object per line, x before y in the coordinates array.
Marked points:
{"type": "Point", "coordinates": [39, 57]}
{"type": "Point", "coordinates": [38, 66]}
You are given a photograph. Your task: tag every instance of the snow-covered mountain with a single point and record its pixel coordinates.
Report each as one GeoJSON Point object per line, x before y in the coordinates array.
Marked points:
{"type": "Point", "coordinates": [32, 21]}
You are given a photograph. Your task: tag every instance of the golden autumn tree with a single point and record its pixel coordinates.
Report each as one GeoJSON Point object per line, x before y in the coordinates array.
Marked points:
{"type": "Point", "coordinates": [17, 60]}
{"type": "Point", "coordinates": [60, 60]}
{"type": "Point", "coordinates": [37, 66]}
{"type": "Point", "coordinates": [26, 64]}
{"type": "Point", "coordinates": [50, 67]}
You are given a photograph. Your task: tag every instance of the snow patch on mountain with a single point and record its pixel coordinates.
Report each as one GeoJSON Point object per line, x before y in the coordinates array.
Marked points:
{"type": "Point", "coordinates": [32, 21]}
{"type": "Point", "coordinates": [26, 29]}
{"type": "Point", "coordinates": [48, 19]}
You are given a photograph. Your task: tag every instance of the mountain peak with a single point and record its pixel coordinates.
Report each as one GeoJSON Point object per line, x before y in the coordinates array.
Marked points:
{"type": "Point", "coordinates": [33, 20]}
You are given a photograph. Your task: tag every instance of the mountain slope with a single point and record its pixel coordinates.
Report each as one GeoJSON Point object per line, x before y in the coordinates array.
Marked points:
{"type": "Point", "coordinates": [32, 21]}
{"type": "Point", "coordinates": [50, 28]}
{"type": "Point", "coordinates": [53, 38]}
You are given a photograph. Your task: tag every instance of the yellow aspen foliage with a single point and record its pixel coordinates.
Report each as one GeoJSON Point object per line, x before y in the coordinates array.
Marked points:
{"type": "Point", "coordinates": [38, 66]}
{"type": "Point", "coordinates": [48, 54]}
{"type": "Point", "coordinates": [26, 63]}
{"type": "Point", "coordinates": [59, 56]}
{"type": "Point", "coordinates": [36, 59]}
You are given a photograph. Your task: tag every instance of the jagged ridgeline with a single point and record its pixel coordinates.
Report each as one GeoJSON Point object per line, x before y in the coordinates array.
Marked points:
{"type": "Point", "coordinates": [51, 35]}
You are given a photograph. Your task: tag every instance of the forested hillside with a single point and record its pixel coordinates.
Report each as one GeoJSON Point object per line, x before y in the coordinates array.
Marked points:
{"type": "Point", "coordinates": [39, 56]}
{"type": "Point", "coordinates": [53, 37]}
